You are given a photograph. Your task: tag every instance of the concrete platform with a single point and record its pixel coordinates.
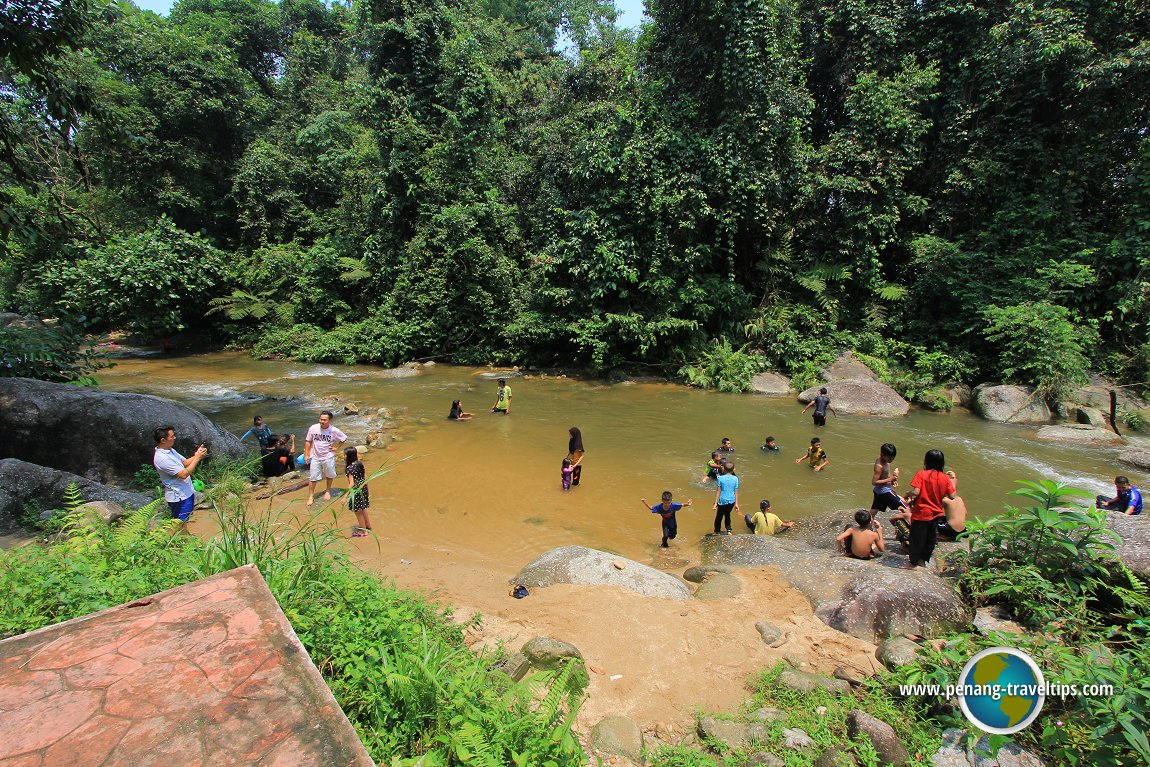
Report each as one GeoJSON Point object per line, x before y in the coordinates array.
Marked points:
{"type": "Point", "coordinates": [208, 674]}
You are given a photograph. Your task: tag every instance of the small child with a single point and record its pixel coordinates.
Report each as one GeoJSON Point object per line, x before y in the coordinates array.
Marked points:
{"type": "Point", "coordinates": [667, 510]}
{"type": "Point", "coordinates": [568, 470]}
{"type": "Point", "coordinates": [764, 522]}
{"type": "Point", "coordinates": [357, 495]}
{"type": "Point", "coordinates": [769, 445]}
{"type": "Point", "coordinates": [864, 541]}
{"type": "Point", "coordinates": [714, 466]}
{"type": "Point", "coordinates": [815, 455]}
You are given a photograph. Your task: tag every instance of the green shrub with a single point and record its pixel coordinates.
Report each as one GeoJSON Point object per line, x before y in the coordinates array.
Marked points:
{"type": "Point", "coordinates": [48, 353]}
{"type": "Point", "coordinates": [723, 367]}
{"type": "Point", "coordinates": [1040, 346]}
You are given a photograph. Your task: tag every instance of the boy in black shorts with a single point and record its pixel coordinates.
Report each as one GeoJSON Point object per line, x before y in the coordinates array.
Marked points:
{"type": "Point", "coordinates": [667, 510]}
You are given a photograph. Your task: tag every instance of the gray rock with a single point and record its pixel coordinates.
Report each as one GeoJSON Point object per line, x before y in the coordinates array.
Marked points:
{"type": "Point", "coordinates": [796, 739]}
{"type": "Point", "coordinates": [1139, 458]}
{"type": "Point", "coordinates": [362, 449]}
{"type": "Point", "coordinates": [1092, 417]}
{"type": "Point", "coordinates": [1134, 546]}
{"type": "Point", "coordinates": [515, 666]}
{"type": "Point", "coordinates": [767, 714]}
{"type": "Point", "coordinates": [495, 375]}
{"type": "Point", "coordinates": [861, 397]}
{"type": "Point", "coordinates": [771, 384]}
{"type": "Point", "coordinates": [836, 757]}
{"type": "Point", "coordinates": [1010, 404]}
{"type": "Point", "coordinates": [545, 652]}
{"type": "Point", "coordinates": [896, 652]}
{"type": "Point", "coordinates": [987, 619]}
{"type": "Point", "coordinates": [865, 599]}
{"type": "Point", "coordinates": [953, 750]}
{"type": "Point", "coordinates": [719, 586]}
{"type": "Point", "coordinates": [1080, 434]}
{"type": "Point", "coordinates": [700, 574]}
{"type": "Point", "coordinates": [351, 409]}
{"type": "Point", "coordinates": [1096, 394]}
{"type": "Point", "coordinates": [589, 567]}
{"type": "Point", "coordinates": [733, 735]}
{"type": "Point", "coordinates": [429, 364]}
{"type": "Point", "coordinates": [881, 735]}
{"type": "Point", "coordinates": [849, 368]}
{"type": "Point", "coordinates": [1010, 755]}
{"type": "Point", "coordinates": [22, 482]}
{"type": "Point", "coordinates": [763, 759]}
{"type": "Point", "coordinates": [804, 681]}
{"type": "Point", "coordinates": [107, 512]}
{"type": "Point", "coordinates": [960, 395]}
{"type": "Point", "coordinates": [618, 736]}
{"type": "Point", "coordinates": [400, 372]}
{"type": "Point", "coordinates": [103, 436]}
{"type": "Point", "coordinates": [772, 635]}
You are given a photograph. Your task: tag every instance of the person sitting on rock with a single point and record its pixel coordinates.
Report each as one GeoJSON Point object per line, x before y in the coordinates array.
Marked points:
{"type": "Point", "coordinates": [953, 523]}
{"type": "Point", "coordinates": [864, 541]}
{"type": "Point", "coordinates": [1127, 500]}
{"type": "Point", "coordinates": [278, 462]}
{"type": "Point", "coordinates": [764, 522]}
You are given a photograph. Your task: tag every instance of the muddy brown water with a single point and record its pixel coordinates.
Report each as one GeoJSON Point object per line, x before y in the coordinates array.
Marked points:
{"type": "Point", "coordinates": [492, 485]}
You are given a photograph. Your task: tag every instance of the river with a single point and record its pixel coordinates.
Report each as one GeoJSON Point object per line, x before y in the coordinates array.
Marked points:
{"type": "Point", "coordinates": [492, 484]}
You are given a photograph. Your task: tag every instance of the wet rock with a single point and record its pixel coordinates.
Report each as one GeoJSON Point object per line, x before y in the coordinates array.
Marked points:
{"type": "Point", "coordinates": [351, 409]}
{"type": "Point", "coordinates": [772, 635]}
{"type": "Point", "coordinates": [886, 744]}
{"type": "Point", "coordinates": [987, 619]}
{"type": "Point", "coordinates": [377, 439]}
{"type": "Point", "coordinates": [495, 375]}
{"type": "Point", "coordinates": [589, 567]}
{"type": "Point", "coordinates": [733, 735]}
{"type": "Point", "coordinates": [109, 434]}
{"type": "Point", "coordinates": [429, 364]}
{"type": "Point", "coordinates": [1138, 458]}
{"type": "Point", "coordinates": [619, 736]}
{"type": "Point", "coordinates": [836, 757]}
{"type": "Point", "coordinates": [1134, 547]}
{"type": "Point", "coordinates": [1010, 404]}
{"type": "Point", "coordinates": [805, 681]}
{"type": "Point", "coordinates": [865, 599]}
{"type": "Point", "coordinates": [861, 397]}
{"type": "Point", "coordinates": [362, 450]}
{"type": "Point", "coordinates": [796, 739]}
{"type": "Point", "coordinates": [400, 372]}
{"type": "Point", "coordinates": [700, 574]}
{"type": "Point", "coordinates": [719, 586]}
{"type": "Point", "coordinates": [1080, 434]}
{"type": "Point", "coordinates": [771, 384]}
{"type": "Point", "coordinates": [896, 652]}
{"type": "Point", "coordinates": [22, 482]}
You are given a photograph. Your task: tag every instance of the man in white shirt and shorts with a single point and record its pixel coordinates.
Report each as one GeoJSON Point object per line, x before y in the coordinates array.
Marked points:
{"type": "Point", "coordinates": [320, 446]}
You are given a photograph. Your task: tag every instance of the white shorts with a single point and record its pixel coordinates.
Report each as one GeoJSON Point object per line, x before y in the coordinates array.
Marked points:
{"type": "Point", "coordinates": [322, 468]}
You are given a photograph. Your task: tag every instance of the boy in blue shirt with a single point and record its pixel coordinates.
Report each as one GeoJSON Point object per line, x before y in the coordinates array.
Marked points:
{"type": "Point", "coordinates": [667, 510]}
{"type": "Point", "coordinates": [1127, 500]}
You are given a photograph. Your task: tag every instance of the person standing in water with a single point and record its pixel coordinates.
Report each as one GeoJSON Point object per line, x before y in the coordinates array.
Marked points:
{"type": "Point", "coordinates": [821, 404]}
{"type": "Point", "coordinates": [319, 448]}
{"type": "Point", "coordinates": [575, 454]}
{"type": "Point", "coordinates": [503, 399]}
{"type": "Point", "coordinates": [726, 498]}
{"type": "Point", "coordinates": [666, 510]}
{"type": "Point", "coordinates": [357, 495]}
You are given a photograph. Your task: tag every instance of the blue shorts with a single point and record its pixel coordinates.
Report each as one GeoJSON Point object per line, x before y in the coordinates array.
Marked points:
{"type": "Point", "coordinates": [182, 510]}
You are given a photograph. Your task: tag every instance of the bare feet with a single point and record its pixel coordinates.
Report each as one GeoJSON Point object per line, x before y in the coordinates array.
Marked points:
{"type": "Point", "coordinates": [327, 496]}
{"type": "Point", "coordinates": [310, 500]}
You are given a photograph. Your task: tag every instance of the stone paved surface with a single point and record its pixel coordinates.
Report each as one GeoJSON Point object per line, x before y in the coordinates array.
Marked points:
{"type": "Point", "coordinates": [208, 674]}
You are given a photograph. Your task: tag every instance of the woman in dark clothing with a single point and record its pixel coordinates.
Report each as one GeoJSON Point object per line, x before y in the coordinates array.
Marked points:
{"type": "Point", "coordinates": [575, 454]}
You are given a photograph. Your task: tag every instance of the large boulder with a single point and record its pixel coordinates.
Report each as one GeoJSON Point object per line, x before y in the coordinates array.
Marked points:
{"type": "Point", "coordinates": [861, 397]}
{"type": "Point", "coordinates": [870, 600]}
{"type": "Point", "coordinates": [849, 368]}
{"type": "Point", "coordinates": [771, 384]}
{"type": "Point", "coordinates": [103, 436]}
{"type": "Point", "coordinates": [618, 736]}
{"type": "Point", "coordinates": [1134, 546]}
{"type": "Point", "coordinates": [590, 567]}
{"type": "Point", "coordinates": [1010, 404]}
{"type": "Point", "coordinates": [1079, 434]}
{"type": "Point", "coordinates": [1138, 458]}
{"type": "Point", "coordinates": [22, 482]}
{"type": "Point", "coordinates": [1096, 394]}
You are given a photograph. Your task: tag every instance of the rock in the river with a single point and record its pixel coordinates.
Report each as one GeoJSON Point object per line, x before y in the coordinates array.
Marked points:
{"type": "Point", "coordinates": [590, 567]}
{"type": "Point", "coordinates": [865, 599]}
{"type": "Point", "coordinates": [1096, 394]}
{"type": "Point", "coordinates": [1134, 546]}
{"type": "Point", "coordinates": [1080, 434]}
{"type": "Point", "coordinates": [771, 384]}
{"type": "Point", "coordinates": [400, 372]}
{"type": "Point", "coordinates": [1091, 417]}
{"type": "Point", "coordinates": [1010, 404]}
{"type": "Point", "coordinates": [103, 436]}
{"type": "Point", "coordinates": [849, 368]}
{"type": "Point", "coordinates": [886, 744]}
{"type": "Point", "coordinates": [618, 736]}
{"type": "Point", "coordinates": [21, 482]}
{"type": "Point", "coordinates": [861, 397]}
{"type": "Point", "coordinates": [495, 375]}
{"type": "Point", "coordinates": [1138, 458]}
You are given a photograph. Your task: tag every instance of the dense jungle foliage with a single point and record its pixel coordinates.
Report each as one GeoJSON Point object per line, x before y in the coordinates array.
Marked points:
{"type": "Point", "coordinates": [957, 189]}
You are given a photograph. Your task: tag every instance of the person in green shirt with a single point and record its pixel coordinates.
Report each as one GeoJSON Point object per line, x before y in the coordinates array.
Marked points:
{"type": "Point", "coordinates": [503, 400]}
{"type": "Point", "coordinates": [764, 522]}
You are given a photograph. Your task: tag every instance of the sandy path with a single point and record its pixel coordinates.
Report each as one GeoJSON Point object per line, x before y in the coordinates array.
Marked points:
{"type": "Point", "coordinates": [652, 660]}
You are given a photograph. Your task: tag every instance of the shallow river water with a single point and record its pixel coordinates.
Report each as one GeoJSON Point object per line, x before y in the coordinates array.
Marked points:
{"type": "Point", "coordinates": [493, 484]}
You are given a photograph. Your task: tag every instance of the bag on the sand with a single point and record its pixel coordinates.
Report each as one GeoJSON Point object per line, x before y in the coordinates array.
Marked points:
{"type": "Point", "coordinates": [519, 592]}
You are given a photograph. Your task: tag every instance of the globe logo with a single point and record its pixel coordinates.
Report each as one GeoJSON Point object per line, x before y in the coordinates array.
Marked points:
{"type": "Point", "coordinates": [1001, 690]}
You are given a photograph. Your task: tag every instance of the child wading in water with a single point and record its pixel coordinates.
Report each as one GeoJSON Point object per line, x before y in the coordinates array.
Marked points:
{"type": "Point", "coordinates": [667, 510]}
{"type": "Point", "coordinates": [357, 496]}
{"type": "Point", "coordinates": [568, 470]}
